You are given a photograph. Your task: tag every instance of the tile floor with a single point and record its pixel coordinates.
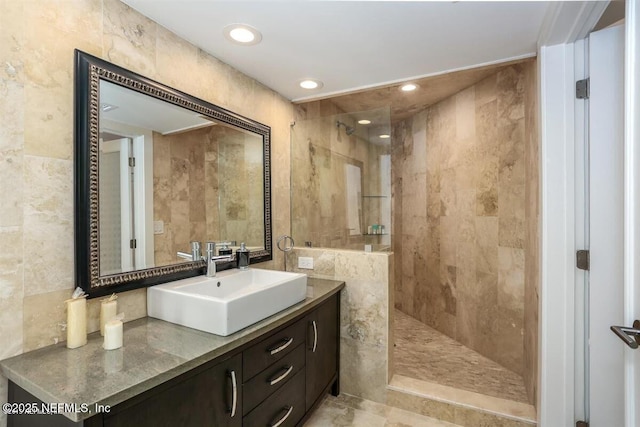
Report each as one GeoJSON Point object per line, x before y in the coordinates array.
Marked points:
{"type": "Point", "coordinates": [347, 411]}
{"type": "Point", "coordinates": [425, 354]}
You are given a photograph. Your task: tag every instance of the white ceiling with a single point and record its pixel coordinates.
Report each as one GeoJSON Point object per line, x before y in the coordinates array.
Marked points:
{"type": "Point", "coordinates": [144, 112]}
{"type": "Point", "coordinates": [353, 45]}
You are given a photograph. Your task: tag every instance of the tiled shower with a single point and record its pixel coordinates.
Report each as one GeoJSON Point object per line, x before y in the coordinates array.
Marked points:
{"type": "Point", "coordinates": [461, 194]}
{"type": "Point", "coordinates": [464, 179]}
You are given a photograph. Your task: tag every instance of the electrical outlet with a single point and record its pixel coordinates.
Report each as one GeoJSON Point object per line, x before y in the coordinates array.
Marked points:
{"type": "Point", "coordinates": [305, 262]}
{"type": "Point", "coordinates": [158, 227]}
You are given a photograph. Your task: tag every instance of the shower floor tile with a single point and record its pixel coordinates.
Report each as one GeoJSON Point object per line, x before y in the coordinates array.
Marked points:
{"type": "Point", "coordinates": [425, 354]}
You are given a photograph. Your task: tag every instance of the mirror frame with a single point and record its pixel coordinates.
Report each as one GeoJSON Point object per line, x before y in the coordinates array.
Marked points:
{"type": "Point", "coordinates": [89, 70]}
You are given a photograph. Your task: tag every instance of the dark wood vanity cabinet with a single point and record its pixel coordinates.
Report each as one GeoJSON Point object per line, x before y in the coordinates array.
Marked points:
{"type": "Point", "coordinates": [212, 397]}
{"type": "Point", "coordinates": [277, 379]}
{"type": "Point", "coordinates": [322, 355]}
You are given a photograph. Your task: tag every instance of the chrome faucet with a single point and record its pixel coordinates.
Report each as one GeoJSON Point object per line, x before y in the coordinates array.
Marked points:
{"type": "Point", "coordinates": [211, 259]}
{"type": "Point", "coordinates": [194, 255]}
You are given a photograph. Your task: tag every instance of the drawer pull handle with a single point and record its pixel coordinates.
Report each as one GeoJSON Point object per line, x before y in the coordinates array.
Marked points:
{"type": "Point", "coordinates": [315, 336]}
{"type": "Point", "coordinates": [284, 418]}
{"type": "Point", "coordinates": [234, 393]}
{"type": "Point", "coordinates": [287, 342]}
{"type": "Point", "coordinates": [281, 377]}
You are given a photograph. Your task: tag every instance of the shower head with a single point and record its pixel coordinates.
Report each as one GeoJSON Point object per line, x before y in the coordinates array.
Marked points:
{"type": "Point", "coordinates": [348, 129]}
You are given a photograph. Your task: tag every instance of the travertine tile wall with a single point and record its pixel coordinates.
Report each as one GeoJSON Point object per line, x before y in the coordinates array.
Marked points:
{"type": "Point", "coordinates": [320, 151]}
{"type": "Point", "coordinates": [37, 38]}
{"type": "Point", "coordinates": [201, 176]}
{"type": "Point", "coordinates": [459, 216]}
{"type": "Point", "coordinates": [179, 197]}
{"type": "Point", "coordinates": [365, 313]}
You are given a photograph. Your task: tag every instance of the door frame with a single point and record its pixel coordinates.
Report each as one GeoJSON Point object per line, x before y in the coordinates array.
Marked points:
{"type": "Point", "coordinates": [560, 143]}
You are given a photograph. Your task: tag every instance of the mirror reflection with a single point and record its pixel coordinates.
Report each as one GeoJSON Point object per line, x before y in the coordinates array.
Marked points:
{"type": "Point", "coordinates": [169, 176]}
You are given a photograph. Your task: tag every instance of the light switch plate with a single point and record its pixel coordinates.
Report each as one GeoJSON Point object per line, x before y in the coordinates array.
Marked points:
{"type": "Point", "coordinates": [158, 227]}
{"type": "Point", "coordinates": [305, 262]}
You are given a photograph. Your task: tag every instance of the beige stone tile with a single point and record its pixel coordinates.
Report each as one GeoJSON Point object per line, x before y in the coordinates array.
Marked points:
{"type": "Point", "coordinates": [486, 231]}
{"type": "Point", "coordinates": [365, 266]}
{"type": "Point", "coordinates": [48, 128]}
{"type": "Point", "coordinates": [12, 34]}
{"type": "Point", "coordinates": [133, 304]}
{"type": "Point", "coordinates": [486, 128]}
{"type": "Point", "coordinates": [511, 232]}
{"type": "Point", "coordinates": [44, 319]}
{"type": "Point", "coordinates": [462, 400]}
{"type": "Point", "coordinates": [48, 235]}
{"type": "Point", "coordinates": [176, 59]}
{"type": "Point", "coordinates": [11, 328]}
{"type": "Point", "coordinates": [363, 370]}
{"type": "Point", "coordinates": [467, 417]}
{"type": "Point", "coordinates": [213, 79]}
{"type": "Point", "coordinates": [11, 291]}
{"type": "Point", "coordinates": [485, 90]}
{"type": "Point", "coordinates": [487, 186]}
{"type": "Point", "coordinates": [331, 413]}
{"type": "Point", "coordinates": [49, 261]}
{"type": "Point", "coordinates": [4, 389]}
{"type": "Point", "coordinates": [241, 98]}
{"type": "Point", "coordinates": [11, 185]}
{"type": "Point", "coordinates": [50, 65]}
{"type": "Point", "coordinates": [447, 192]}
{"type": "Point", "coordinates": [487, 259]}
{"type": "Point", "coordinates": [48, 191]}
{"type": "Point", "coordinates": [129, 38]}
{"type": "Point", "coordinates": [364, 311]}
{"type": "Point", "coordinates": [324, 265]}
{"type": "Point", "coordinates": [511, 278]}
{"type": "Point", "coordinates": [49, 71]}
{"type": "Point", "coordinates": [510, 88]}
{"type": "Point", "coordinates": [465, 114]}
{"type": "Point", "coordinates": [416, 404]}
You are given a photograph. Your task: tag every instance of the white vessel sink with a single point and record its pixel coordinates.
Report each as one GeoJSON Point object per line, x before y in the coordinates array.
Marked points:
{"type": "Point", "coordinates": [224, 304]}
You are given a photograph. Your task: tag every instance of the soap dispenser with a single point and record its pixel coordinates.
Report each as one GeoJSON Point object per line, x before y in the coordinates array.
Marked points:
{"type": "Point", "coordinates": [242, 257]}
{"type": "Point", "coordinates": [225, 250]}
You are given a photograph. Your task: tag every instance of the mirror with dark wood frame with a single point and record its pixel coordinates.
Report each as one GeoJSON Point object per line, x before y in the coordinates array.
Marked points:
{"type": "Point", "coordinates": [155, 170]}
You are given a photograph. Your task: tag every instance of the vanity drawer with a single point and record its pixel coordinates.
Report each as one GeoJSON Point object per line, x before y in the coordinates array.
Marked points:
{"type": "Point", "coordinates": [256, 358]}
{"type": "Point", "coordinates": [273, 378]}
{"type": "Point", "coordinates": [283, 408]}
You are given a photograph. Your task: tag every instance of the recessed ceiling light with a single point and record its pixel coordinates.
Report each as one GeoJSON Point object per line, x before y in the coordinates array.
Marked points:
{"type": "Point", "coordinates": [384, 136]}
{"type": "Point", "coordinates": [409, 87]}
{"type": "Point", "coordinates": [242, 34]}
{"type": "Point", "coordinates": [310, 84]}
{"type": "Point", "coordinates": [364, 122]}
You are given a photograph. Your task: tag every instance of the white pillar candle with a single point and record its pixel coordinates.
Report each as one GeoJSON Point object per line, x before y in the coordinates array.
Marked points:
{"type": "Point", "coordinates": [108, 311]}
{"type": "Point", "coordinates": [76, 322]}
{"type": "Point", "coordinates": [112, 334]}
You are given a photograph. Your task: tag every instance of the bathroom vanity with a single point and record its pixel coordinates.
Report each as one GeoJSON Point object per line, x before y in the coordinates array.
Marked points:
{"type": "Point", "coordinates": [274, 372]}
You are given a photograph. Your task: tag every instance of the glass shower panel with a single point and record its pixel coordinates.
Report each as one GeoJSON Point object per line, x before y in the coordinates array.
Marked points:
{"type": "Point", "coordinates": [341, 181]}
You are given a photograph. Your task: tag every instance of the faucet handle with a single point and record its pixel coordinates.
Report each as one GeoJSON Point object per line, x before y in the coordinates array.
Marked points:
{"type": "Point", "coordinates": [195, 251]}
{"type": "Point", "coordinates": [211, 248]}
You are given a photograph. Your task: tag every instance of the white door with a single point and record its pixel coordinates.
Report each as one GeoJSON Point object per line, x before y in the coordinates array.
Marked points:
{"type": "Point", "coordinates": [606, 231]}
{"type": "Point", "coordinates": [614, 235]}
{"type": "Point", "coordinates": [632, 208]}
{"type": "Point", "coordinates": [116, 207]}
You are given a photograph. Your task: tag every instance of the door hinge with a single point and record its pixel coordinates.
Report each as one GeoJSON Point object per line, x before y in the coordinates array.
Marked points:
{"type": "Point", "coordinates": [582, 424]}
{"type": "Point", "coordinates": [582, 89]}
{"type": "Point", "coordinates": [133, 244]}
{"type": "Point", "coordinates": [582, 259]}
{"type": "Point", "coordinates": [132, 162]}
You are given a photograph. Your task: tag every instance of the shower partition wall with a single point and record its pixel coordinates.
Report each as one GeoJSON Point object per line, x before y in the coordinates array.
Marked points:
{"type": "Point", "coordinates": [341, 181]}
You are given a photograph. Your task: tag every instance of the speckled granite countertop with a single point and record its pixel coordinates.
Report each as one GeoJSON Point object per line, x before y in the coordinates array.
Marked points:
{"type": "Point", "coordinates": [154, 351]}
